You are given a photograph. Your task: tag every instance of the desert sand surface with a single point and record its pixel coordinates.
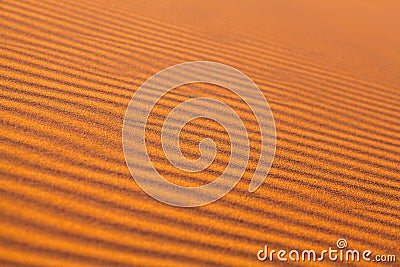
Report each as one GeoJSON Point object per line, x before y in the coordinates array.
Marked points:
{"type": "Point", "coordinates": [329, 69]}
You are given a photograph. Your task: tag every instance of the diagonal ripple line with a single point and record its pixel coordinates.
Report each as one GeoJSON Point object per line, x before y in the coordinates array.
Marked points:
{"type": "Point", "coordinates": [140, 107]}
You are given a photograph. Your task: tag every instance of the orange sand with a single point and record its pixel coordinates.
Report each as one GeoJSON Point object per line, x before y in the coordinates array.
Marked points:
{"type": "Point", "coordinates": [329, 70]}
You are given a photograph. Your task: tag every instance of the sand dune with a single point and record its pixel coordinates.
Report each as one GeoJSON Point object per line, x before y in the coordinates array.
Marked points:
{"type": "Point", "coordinates": [68, 70]}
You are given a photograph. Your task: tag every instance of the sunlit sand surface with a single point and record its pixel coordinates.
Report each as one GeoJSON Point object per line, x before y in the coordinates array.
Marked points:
{"type": "Point", "coordinates": [68, 69]}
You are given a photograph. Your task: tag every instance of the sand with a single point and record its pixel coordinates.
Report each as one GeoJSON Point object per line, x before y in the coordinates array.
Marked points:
{"type": "Point", "coordinates": [68, 69]}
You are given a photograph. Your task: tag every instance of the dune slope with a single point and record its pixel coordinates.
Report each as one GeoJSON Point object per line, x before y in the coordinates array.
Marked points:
{"type": "Point", "coordinates": [68, 70]}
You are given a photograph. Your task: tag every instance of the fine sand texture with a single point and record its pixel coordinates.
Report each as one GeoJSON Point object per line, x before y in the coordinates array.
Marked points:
{"type": "Point", "coordinates": [330, 71]}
